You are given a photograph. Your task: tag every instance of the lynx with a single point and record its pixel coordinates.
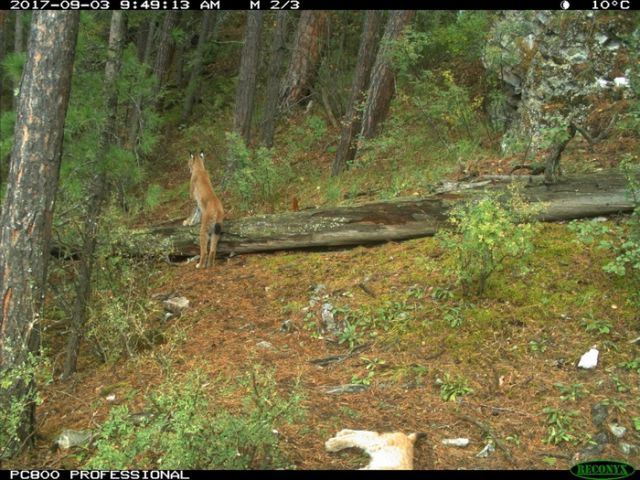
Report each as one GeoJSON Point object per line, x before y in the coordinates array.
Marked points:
{"type": "Point", "coordinates": [208, 211]}
{"type": "Point", "coordinates": [388, 451]}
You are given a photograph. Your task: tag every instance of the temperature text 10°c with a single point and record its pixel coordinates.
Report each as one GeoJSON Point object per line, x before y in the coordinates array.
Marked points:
{"type": "Point", "coordinates": [607, 4]}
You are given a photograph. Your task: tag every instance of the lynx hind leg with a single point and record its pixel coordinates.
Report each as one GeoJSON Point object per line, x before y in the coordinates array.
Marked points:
{"type": "Point", "coordinates": [214, 236]}
{"type": "Point", "coordinates": [211, 257]}
{"type": "Point", "coordinates": [204, 240]}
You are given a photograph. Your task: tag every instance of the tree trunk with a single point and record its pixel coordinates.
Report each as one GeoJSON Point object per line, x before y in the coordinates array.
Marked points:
{"type": "Point", "coordinates": [27, 211]}
{"type": "Point", "coordinates": [248, 77]}
{"type": "Point", "coordinates": [148, 47]}
{"type": "Point", "coordinates": [579, 196]}
{"type": "Point", "coordinates": [305, 58]}
{"type": "Point", "coordinates": [136, 103]}
{"type": "Point", "coordinates": [98, 191]}
{"type": "Point", "coordinates": [276, 62]}
{"type": "Point", "coordinates": [382, 84]}
{"type": "Point", "coordinates": [18, 46]}
{"type": "Point", "coordinates": [196, 71]}
{"type": "Point", "coordinates": [165, 43]}
{"type": "Point", "coordinates": [352, 120]}
{"type": "Point", "coordinates": [552, 164]}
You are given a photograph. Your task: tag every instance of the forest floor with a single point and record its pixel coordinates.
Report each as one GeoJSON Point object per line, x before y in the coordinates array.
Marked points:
{"type": "Point", "coordinates": [517, 348]}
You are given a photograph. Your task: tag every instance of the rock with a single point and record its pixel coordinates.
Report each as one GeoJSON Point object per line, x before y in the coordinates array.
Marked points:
{"type": "Point", "coordinates": [328, 320]}
{"type": "Point", "coordinates": [348, 388]}
{"type": "Point", "coordinates": [599, 413]}
{"type": "Point", "coordinates": [73, 438]}
{"type": "Point", "coordinates": [176, 305]}
{"type": "Point", "coordinates": [456, 442]}
{"type": "Point", "coordinates": [589, 360]}
{"type": "Point", "coordinates": [618, 431]}
{"type": "Point", "coordinates": [287, 326]}
{"type": "Point", "coordinates": [141, 418]}
{"type": "Point", "coordinates": [627, 448]}
{"type": "Point", "coordinates": [488, 449]}
{"type": "Point", "coordinates": [554, 70]}
{"type": "Point", "coordinates": [598, 442]}
{"type": "Point", "coordinates": [265, 345]}
{"type": "Point", "coordinates": [111, 397]}
{"type": "Point", "coordinates": [621, 82]}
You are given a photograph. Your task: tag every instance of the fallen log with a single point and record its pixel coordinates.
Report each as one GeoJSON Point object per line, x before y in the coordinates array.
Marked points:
{"type": "Point", "coordinates": [576, 196]}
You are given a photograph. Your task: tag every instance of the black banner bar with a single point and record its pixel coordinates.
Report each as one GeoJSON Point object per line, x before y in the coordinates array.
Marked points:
{"type": "Point", "coordinates": [280, 474]}
{"type": "Point", "coordinates": [150, 5]}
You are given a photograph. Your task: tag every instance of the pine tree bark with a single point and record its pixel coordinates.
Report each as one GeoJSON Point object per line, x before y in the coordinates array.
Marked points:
{"type": "Point", "coordinates": [165, 43]}
{"type": "Point", "coordinates": [305, 58]}
{"type": "Point", "coordinates": [148, 47]}
{"type": "Point", "coordinates": [352, 120]}
{"type": "Point", "coordinates": [27, 212]}
{"type": "Point", "coordinates": [18, 45]}
{"type": "Point", "coordinates": [196, 71]}
{"type": "Point", "coordinates": [382, 84]}
{"type": "Point", "coordinates": [98, 192]}
{"type": "Point", "coordinates": [276, 62]}
{"type": "Point", "coordinates": [248, 77]}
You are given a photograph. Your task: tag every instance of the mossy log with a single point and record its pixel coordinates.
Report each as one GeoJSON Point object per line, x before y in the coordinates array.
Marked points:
{"type": "Point", "coordinates": [576, 196]}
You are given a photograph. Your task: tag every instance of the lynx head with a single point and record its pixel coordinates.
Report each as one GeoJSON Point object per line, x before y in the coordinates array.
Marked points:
{"type": "Point", "coordinates": [193, 159]}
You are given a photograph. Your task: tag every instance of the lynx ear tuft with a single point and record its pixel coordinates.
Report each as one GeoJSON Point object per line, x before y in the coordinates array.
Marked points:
{"type": "Point", "coordinates": [201, 154]}
{"type": "Point", "coordinates": [190, 154]}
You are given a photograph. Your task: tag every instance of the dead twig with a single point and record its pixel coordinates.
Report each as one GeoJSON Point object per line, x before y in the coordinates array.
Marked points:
{"type": "Point", "coordinates": [487, 431]}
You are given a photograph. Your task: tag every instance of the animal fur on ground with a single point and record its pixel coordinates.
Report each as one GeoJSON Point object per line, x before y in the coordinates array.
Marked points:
{"type": "Point", "coordinates": [388, 451]}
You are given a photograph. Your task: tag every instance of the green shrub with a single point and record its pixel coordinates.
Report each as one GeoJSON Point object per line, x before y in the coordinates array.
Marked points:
{"type": "Point", "coordinates": [485, 234]}
{"type": "Point", "coordinates": [186, 430]}
{"type": "Point", "coordinates": [13, 412]}
{"type": "Point", "coordinates": [256, 179]}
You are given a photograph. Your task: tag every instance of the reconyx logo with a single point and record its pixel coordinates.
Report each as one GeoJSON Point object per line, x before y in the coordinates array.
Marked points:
{"type": "Point", "coordinates": [602, 469]}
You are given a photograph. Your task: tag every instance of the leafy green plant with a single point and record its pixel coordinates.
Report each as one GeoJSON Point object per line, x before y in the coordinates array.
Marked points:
{"type": "Point", "coordinates": [187, 431]}
{"type": "Point", "coordinates": [452, 388]}
{"type": "Point", "coordinates": [34, 369]}
{"type": "Point", "coordinates": [440, 293]}
{"type": "Point", "coordinates": [631, 364]}
{"type": "Point", "coordinates": [350, 334]}
{"type": "Point", "coordinates": [453, 316]}
{"type": "Point", "coordinates": [538, 345]}
{"type": "Point", "coordinates": [636, 423]}
{"type": "Point", "coordinates": [486, 234]}
{"type": "Point", "coordinates": [571, 392]}
{"type": "Point", "coordinates": [559, 428]}
{"type": "Point", "coordinates": [371, 366]}
{"type": "Point", "coordinates": [600, 326]}
{"type": "Point", "coordinates": [620, 385]}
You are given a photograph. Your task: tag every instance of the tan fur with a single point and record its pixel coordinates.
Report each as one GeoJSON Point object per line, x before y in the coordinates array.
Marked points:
{"type": "Point", "coordinates": [388, 451]}
{"type": "Point", "coordinates": [208, 210]}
